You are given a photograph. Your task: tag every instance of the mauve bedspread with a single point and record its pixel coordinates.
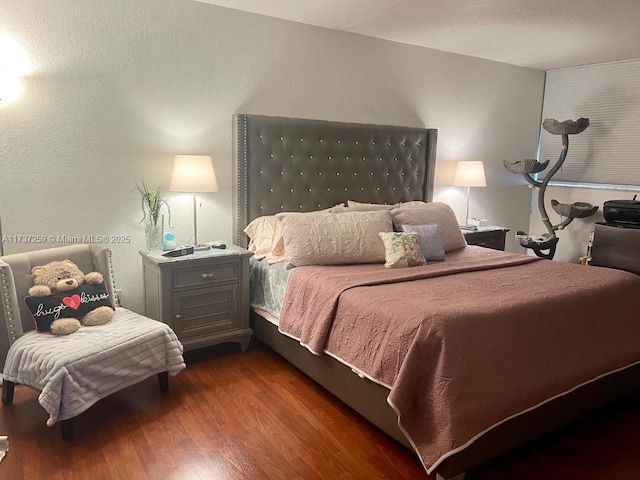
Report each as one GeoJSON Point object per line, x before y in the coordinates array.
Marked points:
{"type": "Point", "coordinates": [468, 343]}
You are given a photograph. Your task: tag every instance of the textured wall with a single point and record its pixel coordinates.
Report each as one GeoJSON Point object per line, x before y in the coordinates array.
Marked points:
{"type": "Point", "coordinates": [120, 86]}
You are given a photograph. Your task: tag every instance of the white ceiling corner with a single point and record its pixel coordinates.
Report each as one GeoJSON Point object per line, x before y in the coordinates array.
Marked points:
{"type": "Point", "coordinates": [542, 34]}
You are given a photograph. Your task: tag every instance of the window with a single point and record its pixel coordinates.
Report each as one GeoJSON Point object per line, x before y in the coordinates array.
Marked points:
{"type": "Point", "coordinates": [608, 94]}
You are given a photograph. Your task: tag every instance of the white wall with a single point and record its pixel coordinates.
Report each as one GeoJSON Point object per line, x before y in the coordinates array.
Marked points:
{"type": "Point", "coordinates": [120, 86]}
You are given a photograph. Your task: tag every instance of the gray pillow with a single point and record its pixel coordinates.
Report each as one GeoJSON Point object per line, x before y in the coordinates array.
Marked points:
{"type": "Point", "coordinates": [430, 239]}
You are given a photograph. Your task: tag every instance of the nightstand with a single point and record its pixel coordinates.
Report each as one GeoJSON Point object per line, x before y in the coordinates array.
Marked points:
{"type": "Point", "coordinates": [489, 237]}
{"type": "Point", "coordinates": [204, 296]}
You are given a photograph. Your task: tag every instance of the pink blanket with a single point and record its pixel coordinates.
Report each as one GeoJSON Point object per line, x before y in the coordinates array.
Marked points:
{"type": "Point", "coordinates": [467, 343]}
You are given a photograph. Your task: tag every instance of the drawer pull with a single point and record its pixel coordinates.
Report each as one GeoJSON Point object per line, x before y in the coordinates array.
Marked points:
{"type": "Point", "coordinates": [206, 276]}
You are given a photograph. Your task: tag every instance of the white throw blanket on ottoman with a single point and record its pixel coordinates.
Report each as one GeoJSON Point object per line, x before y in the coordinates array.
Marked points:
{"type": "Point", "coordinates": [73, 372]}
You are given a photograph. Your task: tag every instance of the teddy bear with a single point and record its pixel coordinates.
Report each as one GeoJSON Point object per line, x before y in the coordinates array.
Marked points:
{"type": "Point", "coordinates": [63, 298]}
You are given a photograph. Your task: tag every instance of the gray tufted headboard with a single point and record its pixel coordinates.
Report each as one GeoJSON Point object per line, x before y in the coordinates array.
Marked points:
{"type": "Point", "coordinates": [295, 165]}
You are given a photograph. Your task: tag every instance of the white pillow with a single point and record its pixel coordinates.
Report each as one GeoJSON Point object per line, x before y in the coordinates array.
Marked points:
{"type": "Point", "coordinates": [264, 233]}
{"type": "Point", "coordinates": [434, 213]}
{"type": "Point", "coordinates": [366, 207]}
{"type": "Point", "coordinates": [329, 239]}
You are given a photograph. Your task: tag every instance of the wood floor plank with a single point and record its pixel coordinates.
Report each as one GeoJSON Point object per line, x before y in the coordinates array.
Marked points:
{"type": "Point", "coordinates": [237, 416]}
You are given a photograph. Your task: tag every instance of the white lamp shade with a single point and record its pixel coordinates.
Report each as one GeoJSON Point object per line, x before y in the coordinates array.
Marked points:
{"type": "Point", "coordinates": [469, 174]}
{"type": "Point", "coordinates": [193, 174]}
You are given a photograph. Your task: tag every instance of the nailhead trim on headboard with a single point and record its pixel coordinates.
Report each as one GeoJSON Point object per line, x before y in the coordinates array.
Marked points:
{"type": "Point", "coordinates": [286, 164]}
{"type": "Point", "coordinates": [240, 219]}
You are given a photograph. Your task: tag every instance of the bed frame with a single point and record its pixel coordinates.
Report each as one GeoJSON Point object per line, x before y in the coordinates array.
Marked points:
{"type": "Point", "coordinates": [286, 164]}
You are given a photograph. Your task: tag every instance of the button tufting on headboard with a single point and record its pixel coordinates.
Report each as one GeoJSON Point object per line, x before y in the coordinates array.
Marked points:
{"type": "Point", "coordinates": [360, 162]}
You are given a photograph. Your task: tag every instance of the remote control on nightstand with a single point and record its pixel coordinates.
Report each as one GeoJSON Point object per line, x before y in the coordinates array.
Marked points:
{"type": "Point", "coordinates": [178, 252]}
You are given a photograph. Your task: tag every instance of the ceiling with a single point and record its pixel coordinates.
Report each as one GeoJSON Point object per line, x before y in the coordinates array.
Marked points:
{"type": "Point", "coordinates": [541, 34]}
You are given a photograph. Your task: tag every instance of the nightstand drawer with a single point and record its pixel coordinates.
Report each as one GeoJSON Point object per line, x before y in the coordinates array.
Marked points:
{"type": "Point", "coordinates": [205, 311]}
{"type": "Point", "coordinates": [207, 274]}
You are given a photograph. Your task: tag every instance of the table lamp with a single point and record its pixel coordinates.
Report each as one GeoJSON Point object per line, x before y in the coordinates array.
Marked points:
{"type": "Point", "coordinates": [193, 174]}
{"type": "Point", "coordinates": [469, 174]}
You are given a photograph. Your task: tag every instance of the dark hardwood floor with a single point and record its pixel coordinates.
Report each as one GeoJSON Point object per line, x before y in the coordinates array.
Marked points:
{"type": "Point", "coordinates": [252, 416]}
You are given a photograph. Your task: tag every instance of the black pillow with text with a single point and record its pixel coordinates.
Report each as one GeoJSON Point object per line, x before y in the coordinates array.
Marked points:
{"type": "Point", "coordinates": [72, 304]}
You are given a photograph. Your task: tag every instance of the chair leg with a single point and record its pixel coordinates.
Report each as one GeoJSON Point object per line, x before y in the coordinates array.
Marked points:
{"type": "Point", "coordinates": [66, 428]}
{"type": "Point", "coordinates": [163, 380]}
{"type": "Point", "coordinates": [7, 392]}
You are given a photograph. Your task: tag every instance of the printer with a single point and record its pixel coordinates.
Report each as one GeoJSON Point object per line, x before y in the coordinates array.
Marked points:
{"type": "Point", "coordinates": [623, 213]}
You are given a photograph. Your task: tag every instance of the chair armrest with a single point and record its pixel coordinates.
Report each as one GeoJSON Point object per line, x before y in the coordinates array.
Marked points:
{"type": "Point", "coordinates": [102, 263]}
{"type": "Point", "coordinates": [10, 320]}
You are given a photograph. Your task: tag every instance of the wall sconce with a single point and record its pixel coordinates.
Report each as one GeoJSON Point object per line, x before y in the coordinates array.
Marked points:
{"type": "Point", "coordinates": [10, 89]}
{"type": "Point", "coordinates": [14, 64]}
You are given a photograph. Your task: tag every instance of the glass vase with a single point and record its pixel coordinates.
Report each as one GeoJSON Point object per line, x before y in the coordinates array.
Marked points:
{"type": "Point", "coordinates": [153, 237]}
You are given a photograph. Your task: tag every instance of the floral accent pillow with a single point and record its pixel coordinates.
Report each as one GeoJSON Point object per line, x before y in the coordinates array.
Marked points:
{"type": "Point", "coordinates": [401, 249]}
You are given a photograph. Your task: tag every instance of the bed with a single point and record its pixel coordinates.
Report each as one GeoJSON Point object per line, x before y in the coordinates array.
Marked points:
{"type": "Point", "coordinates": [294, 165]}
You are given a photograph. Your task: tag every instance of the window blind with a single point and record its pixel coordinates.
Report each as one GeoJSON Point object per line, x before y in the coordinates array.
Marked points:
{"type": "Point", "coordinates": [608, 94]}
